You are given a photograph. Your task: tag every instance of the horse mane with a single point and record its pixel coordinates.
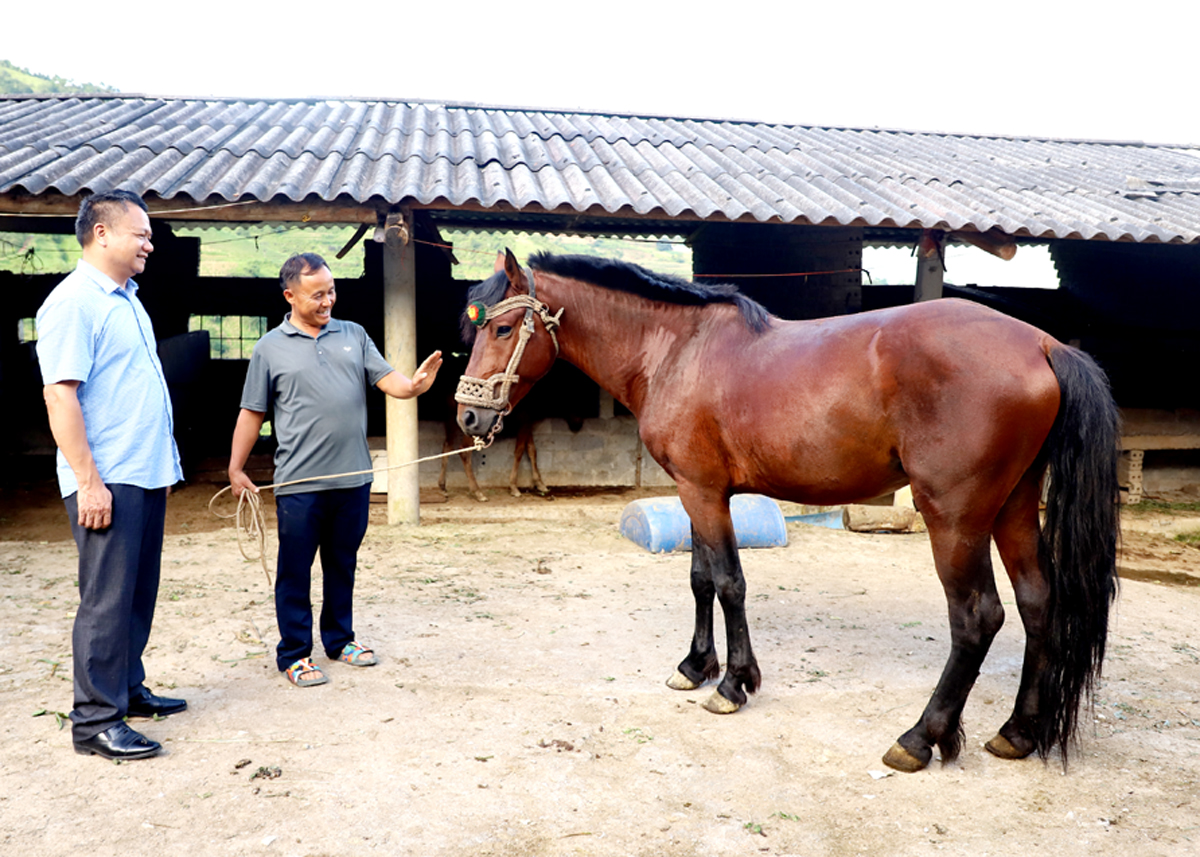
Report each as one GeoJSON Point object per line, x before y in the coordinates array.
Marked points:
{"type": "Point", "coordinates": [625, 277]}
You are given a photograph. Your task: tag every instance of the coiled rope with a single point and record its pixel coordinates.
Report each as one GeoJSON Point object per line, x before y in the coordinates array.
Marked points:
{"type": "Point", "coordinates": [251, 525]}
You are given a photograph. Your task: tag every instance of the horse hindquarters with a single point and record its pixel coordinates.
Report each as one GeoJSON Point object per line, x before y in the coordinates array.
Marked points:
{"type": "Point", "coordinates": [1064, 576]}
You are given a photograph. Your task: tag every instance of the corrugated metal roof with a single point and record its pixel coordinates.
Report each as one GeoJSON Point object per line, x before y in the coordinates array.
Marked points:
{"type": "Point", "coordinates": [207, 150]}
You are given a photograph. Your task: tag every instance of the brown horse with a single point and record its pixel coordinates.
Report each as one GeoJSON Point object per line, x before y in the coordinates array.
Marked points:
{"type": "Point", "coordinates": [968, 406]}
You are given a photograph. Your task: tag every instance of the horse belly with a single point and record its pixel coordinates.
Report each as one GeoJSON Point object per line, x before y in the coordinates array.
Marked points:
{"type": "Point", "coordinates": [819, 454]}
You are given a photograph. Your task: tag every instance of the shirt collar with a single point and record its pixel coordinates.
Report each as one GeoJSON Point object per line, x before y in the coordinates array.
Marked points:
{"type": "Point", "coordinates": [103, 280]}
{"type": "Point", "coordinates": [332, 326]}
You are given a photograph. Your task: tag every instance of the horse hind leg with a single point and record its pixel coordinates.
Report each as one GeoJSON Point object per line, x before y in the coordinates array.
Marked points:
{"type": "Point", "coordinates": [1017, 537]}
{"type": "Point", "coordinates": [964, 567]}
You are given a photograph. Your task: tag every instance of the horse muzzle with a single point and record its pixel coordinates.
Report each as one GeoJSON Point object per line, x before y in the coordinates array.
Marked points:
{"type": "Point", "coordinates": [477, 421]}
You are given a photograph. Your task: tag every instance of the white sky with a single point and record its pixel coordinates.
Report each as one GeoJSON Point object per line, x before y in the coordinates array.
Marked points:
{"type": "Point", "coordinates": [1046, 68]}
{"type": "Point", "coordinates": [1052, 67]}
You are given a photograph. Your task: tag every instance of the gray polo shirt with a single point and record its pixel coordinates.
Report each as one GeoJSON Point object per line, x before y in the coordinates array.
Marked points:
{"type": "Point", "coordinates": [318, 389]}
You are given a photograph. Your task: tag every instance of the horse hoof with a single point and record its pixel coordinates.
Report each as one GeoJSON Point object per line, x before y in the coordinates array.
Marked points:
{"type": "Point", "coordinates": [681, 682]}
{"type": "Point", "coordinates": [718, 704]}
{"type": "Point", "coordinates": [1002, 748]}
{"type": "Point", "coordinates": [901, 760]}
{"type": "Point", "coordinates": [481, 497]}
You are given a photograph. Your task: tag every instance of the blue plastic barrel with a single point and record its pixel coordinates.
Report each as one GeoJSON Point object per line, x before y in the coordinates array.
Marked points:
{"type": "Point", "coordinates": [660, 524]}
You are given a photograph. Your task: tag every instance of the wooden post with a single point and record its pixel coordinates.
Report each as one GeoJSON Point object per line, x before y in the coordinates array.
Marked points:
{"type": "Point", "coordinates": [400, 350]}
{"type": "Point", "coordinates": [930, 270]}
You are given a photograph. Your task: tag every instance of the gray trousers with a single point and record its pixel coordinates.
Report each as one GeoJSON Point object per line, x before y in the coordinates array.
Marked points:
{"type": "Point", "coordinates": [118, 587]}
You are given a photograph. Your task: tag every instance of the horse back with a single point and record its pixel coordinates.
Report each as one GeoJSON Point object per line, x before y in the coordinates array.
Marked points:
{"type": "Point", "coordinates": [843, 409]}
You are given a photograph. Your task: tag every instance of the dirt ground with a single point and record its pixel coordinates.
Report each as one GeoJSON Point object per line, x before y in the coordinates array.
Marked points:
{"type": "Point", "coordinates": [520, 708]}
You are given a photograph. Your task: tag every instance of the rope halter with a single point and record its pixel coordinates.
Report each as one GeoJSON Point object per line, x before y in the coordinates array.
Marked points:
{"type": "Point", "coordinates": [492, 393]}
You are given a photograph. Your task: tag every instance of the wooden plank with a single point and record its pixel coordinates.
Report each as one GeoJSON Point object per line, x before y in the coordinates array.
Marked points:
{"type": "Point", "coordinates": [1160, 441]}
{"type": "Point", "coordinates": [213, 210]}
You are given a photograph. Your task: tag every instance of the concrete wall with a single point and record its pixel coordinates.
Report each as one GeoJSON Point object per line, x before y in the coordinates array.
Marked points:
{"type": "Point", "coordinates": [1167, 472]}
{"type": "Point", "coordinates": [604, 452]}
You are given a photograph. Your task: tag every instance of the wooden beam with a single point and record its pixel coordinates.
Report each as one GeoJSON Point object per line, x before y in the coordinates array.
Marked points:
{"type": "Point", "coordinates": [1160, 441]}
{"type": "Point", "coordinates": [358, 234]}
{"type": "Point", "coordinates": [212, 210]}
{"type": "Point", "coordinates": [994, 242]}
{"type": "Point", "coordinates": [400, 350]}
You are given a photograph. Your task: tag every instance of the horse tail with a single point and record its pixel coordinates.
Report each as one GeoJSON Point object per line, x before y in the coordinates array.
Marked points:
{"type": "Point", "coordinates": [1078, 544]}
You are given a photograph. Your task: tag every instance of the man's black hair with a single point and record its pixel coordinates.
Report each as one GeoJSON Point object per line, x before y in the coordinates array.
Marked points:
{"type": "Point", "coordinates": [297, 266]}
{"type": "Point", "coordinates": [102, 207]}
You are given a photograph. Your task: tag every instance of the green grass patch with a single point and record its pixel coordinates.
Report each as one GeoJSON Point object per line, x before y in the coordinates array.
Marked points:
{"type": "Point", "coordinates": [1151, 506]}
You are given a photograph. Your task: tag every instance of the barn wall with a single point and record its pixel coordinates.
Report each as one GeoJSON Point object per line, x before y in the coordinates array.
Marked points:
{"type": "Point", "coordinates": [1143, 302]}
{"type": "Point", "coordinates": [604, 452]}
{"type": "Point", "coordinates": [730, 249]}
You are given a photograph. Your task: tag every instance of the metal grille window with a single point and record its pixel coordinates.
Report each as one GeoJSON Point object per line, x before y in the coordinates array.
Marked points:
{"type": "Point", "coordinates": [26, 330]}
{"type": "Point", "coordinates": [230, 337]}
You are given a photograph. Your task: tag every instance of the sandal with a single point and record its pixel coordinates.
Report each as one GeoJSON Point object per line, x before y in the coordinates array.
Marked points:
{"type": "Point", "coordinates": [357, 656]}
{"type": "Point", "coordinates": [302, 667]}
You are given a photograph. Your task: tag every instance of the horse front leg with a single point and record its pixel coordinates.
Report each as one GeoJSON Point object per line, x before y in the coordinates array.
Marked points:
{"type": "Point", "coordinates": [539, 484]}
{"type": "Point", "coordinates": [473, 484]}
{"type": "Point", "coordinates": [741, 669]}
{"type": "Point", "coordinates": [701, 662]}
{"type": "Point", "coordinates": [717, 570]}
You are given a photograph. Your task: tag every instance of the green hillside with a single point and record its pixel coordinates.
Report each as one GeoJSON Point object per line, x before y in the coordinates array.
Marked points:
{"type": "Point", "coordinates": [258, 251]}
{"type": "Point", "coordinates": [22, 81]}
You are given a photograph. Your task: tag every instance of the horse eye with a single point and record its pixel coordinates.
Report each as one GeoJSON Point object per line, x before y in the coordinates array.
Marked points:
{"type": "Point", "coordinates": [503, 330]}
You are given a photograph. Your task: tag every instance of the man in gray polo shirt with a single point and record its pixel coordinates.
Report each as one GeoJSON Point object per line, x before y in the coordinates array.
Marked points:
{"type": "Point", "coordinates": [314, 370]}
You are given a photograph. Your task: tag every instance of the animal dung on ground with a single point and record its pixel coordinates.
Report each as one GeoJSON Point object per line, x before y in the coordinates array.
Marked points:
{"type": "Point", "coordinates": [660, 524]}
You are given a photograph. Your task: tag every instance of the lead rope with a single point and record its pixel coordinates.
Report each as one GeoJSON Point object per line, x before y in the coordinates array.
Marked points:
{"type": "Point", "coordinates": [250, 523]}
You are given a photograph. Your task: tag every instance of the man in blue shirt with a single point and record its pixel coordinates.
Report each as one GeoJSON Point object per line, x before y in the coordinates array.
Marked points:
{"type": "Point", "coordinates": [314, 370]}
{"type": "Point", "coordinates": [110, 414]}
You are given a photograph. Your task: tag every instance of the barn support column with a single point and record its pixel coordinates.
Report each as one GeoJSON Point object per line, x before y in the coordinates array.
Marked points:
{"type": "Point", "coordinates": [167, 288]}
{"type": "Point", "coordinates": [400, 350]}
{"type": "Point", "coordinates": [931, 270]}
{"type": "Point", "coordinates": [828, 258]}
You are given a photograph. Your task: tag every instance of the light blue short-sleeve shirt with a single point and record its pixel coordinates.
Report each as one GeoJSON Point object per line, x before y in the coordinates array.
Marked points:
{"type": "Point", "coordinates": [93, 331]}
{"type": "Point", "coordinates": [318, 389]}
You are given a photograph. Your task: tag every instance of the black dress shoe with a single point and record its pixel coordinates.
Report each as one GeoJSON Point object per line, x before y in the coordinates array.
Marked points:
{"type": "Point", "coordinates": [118, 742]}
{"type": "Point", "coordinates": [146, 704]}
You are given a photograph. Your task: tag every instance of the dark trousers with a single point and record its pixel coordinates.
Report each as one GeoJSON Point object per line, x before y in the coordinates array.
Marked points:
{"type": "Point", "coordinates": [333, 522]}
{"type": "Point", "coordinates": [118, 586]}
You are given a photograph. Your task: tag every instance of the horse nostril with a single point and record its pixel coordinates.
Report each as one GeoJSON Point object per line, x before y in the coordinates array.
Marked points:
{"type": "Point", "coordinates": [468, 421]}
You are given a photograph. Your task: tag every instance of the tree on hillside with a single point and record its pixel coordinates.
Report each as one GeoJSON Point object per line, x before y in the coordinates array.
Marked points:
{"type": "Point", "coordinates": [14, 80]}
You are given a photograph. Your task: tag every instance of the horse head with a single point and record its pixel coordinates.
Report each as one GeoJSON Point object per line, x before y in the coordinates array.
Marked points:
{"type": "Point", "coordinates": [513, 344]}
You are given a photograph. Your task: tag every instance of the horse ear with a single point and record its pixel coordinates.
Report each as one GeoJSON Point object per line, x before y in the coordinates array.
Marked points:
{"type": "Point", "coordinates": [499, 263]}
{"type": "Point", "coordinates": [512, 269]}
